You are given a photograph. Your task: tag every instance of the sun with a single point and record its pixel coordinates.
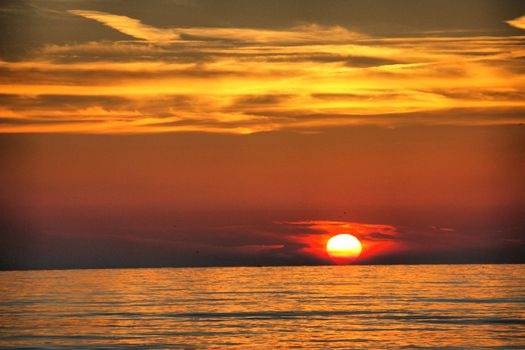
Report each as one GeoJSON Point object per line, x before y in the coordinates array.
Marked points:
{"type": "Point", "coordinates": [343, 246]}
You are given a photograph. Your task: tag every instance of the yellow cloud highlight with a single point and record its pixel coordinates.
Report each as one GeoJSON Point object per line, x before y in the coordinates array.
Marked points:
{"type": "Point", "coordinates": [517, 22]}
{"type": "Point", "coordinates": [302, 79]}
{"type": "Point", "coordinates": [137, 29]}
{"type": "Point", "coordinates": [129, 26]}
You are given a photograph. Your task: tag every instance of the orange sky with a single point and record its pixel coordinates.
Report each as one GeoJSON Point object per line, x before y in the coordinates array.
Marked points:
{"type": "Point", "coordinates": [197, 134]}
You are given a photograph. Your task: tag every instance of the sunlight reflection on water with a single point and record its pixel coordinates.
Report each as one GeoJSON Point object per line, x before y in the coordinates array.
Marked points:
{"type": "Point", "coordinates": [266, 307]}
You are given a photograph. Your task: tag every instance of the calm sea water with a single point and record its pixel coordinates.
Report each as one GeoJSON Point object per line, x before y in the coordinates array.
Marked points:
{"type": "Point", "coordinates": [350, 307]}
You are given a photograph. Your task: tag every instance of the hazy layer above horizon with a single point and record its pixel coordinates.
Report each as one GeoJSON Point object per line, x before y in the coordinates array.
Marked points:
{"type": "Point", "coordinates": [197, 133]}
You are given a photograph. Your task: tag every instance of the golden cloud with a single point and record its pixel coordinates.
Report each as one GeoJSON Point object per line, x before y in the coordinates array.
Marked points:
{"type": "Point", "coordinates": [517, 22]}
{"type": "Point", "coordinates": [251, 80]}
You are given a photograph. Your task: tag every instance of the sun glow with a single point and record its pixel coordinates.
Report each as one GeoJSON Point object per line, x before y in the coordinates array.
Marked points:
{"type": "Point", "coordinates": [343, 246]}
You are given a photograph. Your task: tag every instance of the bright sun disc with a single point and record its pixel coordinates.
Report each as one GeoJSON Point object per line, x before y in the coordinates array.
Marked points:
{"type": "Point", "coordinates": [343, 246]}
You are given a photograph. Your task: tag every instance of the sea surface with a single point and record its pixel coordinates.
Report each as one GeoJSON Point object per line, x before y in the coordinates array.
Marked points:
{"type": "Point", "coordinates": [323, 307]}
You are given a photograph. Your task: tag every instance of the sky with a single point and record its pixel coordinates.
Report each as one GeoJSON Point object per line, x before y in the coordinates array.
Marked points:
{"type": "Point", "coordinates": [231, 132]}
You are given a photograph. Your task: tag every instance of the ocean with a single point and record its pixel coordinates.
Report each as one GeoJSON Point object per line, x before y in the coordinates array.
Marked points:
{"type": "Point", "coordinates": [318, 307]}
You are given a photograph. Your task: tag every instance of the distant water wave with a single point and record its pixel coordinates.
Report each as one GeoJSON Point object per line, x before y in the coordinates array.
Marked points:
{"type": "Point", "coordinates": [392, 315]}
{"type": "Point", "coordinates": [477, 301]}
{"type": "Point", "coordinates": [356, 307]}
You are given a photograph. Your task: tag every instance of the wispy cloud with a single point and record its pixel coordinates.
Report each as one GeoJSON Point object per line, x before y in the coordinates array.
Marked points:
{"type": "Point", "coordinates": [385, 241]}
{"type": "Point", "coordinates": [252, 80]}
{"type": "Point", "coordinates": [129, 26]}
{"type": "Point", "coordinates": [517, 22]}
{"type": "Point", "coordinates": [139, 30]}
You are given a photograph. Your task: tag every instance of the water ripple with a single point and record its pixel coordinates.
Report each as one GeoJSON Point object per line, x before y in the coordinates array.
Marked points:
{"type": "Point", "coordinates": [356, 307]}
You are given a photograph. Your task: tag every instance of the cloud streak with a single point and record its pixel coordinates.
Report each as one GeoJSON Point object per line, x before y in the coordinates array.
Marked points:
{"type": "Point", "coordinates": [129, 26]}
{"type": "Point", "coordinates": [242, 80]}
{"type": "Point", "coordinates": [139, 30]}
{"type": "Point", "coordinates": [517, 22]}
